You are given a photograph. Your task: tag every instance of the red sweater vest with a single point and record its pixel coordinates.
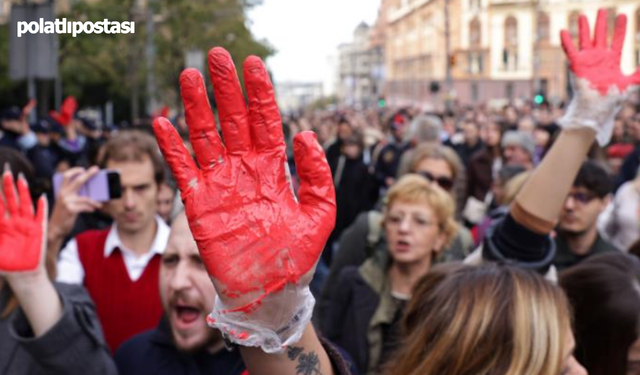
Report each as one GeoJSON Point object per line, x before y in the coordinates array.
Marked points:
{"type": "Point", "coordinates": [125, 307]}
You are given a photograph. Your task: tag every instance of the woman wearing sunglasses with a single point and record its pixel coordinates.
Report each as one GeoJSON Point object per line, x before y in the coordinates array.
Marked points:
{"type": "Point", "coordinates": [441, 166]}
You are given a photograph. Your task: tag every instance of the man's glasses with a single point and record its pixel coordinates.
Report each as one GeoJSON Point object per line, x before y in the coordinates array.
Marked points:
{"type": "Point", "coordinates": [444, 182]}
{"type": "Point", "coordinates": [582, 198]}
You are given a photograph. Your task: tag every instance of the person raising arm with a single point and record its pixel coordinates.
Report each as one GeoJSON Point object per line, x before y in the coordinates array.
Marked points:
{"type": "Point", "coordinates": [53, 329]}
{"type": "Point", "coordinates": [259, 242]}
{"type": "Point", "coordinates": [599, 88]}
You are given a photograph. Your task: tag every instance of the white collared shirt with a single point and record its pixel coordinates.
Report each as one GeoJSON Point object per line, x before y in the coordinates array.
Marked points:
{"type": "Point", "coordinates": [70, 268]}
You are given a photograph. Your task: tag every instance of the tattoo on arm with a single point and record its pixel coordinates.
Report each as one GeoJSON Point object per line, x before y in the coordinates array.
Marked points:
{"type": "Point", "coordinates": [308, 364]}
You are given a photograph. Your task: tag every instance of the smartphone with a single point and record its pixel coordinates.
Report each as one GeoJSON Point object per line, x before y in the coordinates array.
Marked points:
{"type": "Point", "coordinates": [102, 187]}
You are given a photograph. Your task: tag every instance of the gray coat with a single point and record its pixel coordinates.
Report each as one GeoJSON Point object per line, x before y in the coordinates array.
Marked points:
{"type": "Point", "coordinates": [74, 345]}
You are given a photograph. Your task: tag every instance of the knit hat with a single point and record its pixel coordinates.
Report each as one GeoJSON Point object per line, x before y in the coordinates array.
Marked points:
{"type": "Point", "coordinates": [520, 139]}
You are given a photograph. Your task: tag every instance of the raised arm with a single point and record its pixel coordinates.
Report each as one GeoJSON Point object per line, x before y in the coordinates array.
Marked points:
{"type": "Point", "coordinates": [259, 242]}
{"type": "Point", "coordinates": [51, 321]}
{"type": "Point", "coordinates": [22, 254]}
{"type": "Point", "coordinates": [599, 88]}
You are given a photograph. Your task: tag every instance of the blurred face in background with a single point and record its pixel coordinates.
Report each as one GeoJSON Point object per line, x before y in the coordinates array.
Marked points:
{"type": "Point", "coordinates": [618, 130]}
{"type": "Point", "coordinates": [352, 150]}
{"type": "Point", "coordinates": [634, 127]}
{"type": "Point", "coordinates": [580, 211]}
{"type": "Point", "coordinates": [166, 197]}
{"type": "Point", "coordinates": [510, 115]}
{"type": "Point", "coordinates": [516, 155]}
{"type": "Point", "coordinates": [344, 130]}
{"type": "Point", "coordinates": [541, 137]}
{"type": "Point", "coordinates": [492, 134]}
{"type": "Point", "coordinates": [44, 139]}
{"type": "Point", "coordinates": [471, 132]}
{"type": "Point", "coordinates": [398, 130]}
{"type": "Point", "coordinates": [526, 125]}
{"type": "Point", "coordinates": [438, 172]}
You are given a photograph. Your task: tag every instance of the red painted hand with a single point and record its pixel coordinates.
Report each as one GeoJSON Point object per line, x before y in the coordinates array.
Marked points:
{"type": "Point", "coordinates": [21, 232]}
{"type": "Point", "coordinates": [67, 111]}
{"type": "Point", "coordinates": [252, 233]}
{"type": "Point", "coordinates": [596, 62]}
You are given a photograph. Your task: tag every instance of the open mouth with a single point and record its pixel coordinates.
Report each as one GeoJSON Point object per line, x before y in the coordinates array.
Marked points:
{"type": "Point", "coordinates": [186, 315]}
{"type": "Point", "coordinates": [402, 245]}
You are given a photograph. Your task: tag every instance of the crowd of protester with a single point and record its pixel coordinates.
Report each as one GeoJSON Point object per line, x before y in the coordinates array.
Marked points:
{"type": "Point", "coordinates": [478, 240]}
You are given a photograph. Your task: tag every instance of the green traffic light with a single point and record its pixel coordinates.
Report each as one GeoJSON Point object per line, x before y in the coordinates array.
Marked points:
{"type": "Point", "coordinates": [382, 103]}
{"type": "Point", "coordinates": [538, 99]}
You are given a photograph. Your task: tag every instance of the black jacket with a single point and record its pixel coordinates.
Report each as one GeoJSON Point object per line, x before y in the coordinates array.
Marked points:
{"type": "Point", "coordinates": [74, 345]}
{"type": "Point", "coordinates": [154, 353]}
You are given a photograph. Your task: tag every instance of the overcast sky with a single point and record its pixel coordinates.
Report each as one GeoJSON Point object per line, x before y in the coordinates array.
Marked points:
{"type": "Point", "coordinates": [306, 33]}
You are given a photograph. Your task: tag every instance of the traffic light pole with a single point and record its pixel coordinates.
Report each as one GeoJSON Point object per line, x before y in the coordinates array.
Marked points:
{"type": "Point", "coordinates": [536, 52]}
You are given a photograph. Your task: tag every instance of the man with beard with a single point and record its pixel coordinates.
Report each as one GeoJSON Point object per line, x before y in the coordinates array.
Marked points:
{"type": "Point", "coordinates": [577, 235]}
{"type": "Point", "coordinates": [182, 343]}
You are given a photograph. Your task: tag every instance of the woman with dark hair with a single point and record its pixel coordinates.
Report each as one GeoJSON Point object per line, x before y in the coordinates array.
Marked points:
{"type": "Point", "coordinates": [482, 171]}
{"type": "Point", "coordinates": [604, 292]}
{"type": "Point", "coordinates": [485, 164]}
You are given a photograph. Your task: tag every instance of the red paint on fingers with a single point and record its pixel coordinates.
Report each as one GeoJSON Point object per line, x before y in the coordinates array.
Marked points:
{"type": "Point", "coordinates": [203, 133]}
{"type": "Point", "coordinates": [21, 233]}
{"type": "Point", "coordinates": [253, 235]}
{"type": "Point", "coordinates": [596, 62]}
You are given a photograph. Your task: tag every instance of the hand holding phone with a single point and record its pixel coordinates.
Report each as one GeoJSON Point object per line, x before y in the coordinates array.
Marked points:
{"type": "Point", "coordinates": [78, 191]}
{"type": "Point", "coordinates": [101, 186]}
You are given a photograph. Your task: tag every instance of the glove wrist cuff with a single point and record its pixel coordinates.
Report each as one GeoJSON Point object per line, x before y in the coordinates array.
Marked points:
{"type": "Point", "coordinates": [278, 321]}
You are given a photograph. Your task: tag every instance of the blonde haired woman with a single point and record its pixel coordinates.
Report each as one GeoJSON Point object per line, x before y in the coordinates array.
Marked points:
{"type": "Point", "coordinates": [466, 320]}
{"type": "Point", "coordinates": [369, 300]}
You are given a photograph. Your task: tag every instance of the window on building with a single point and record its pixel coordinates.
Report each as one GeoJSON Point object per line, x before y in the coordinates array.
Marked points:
{"type": "Point", "coordinates": [474, 62]}
{"type": "Point", "coordinates": [543, 27]}
{"type": "Point", "coordinates": [510, 52]}
{"type": "Point", "coordinates": [475, 33]}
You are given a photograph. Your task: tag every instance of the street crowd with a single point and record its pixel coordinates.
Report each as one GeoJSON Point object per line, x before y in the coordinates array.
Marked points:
{"type": "Point", "coordinates": [474, 240]}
